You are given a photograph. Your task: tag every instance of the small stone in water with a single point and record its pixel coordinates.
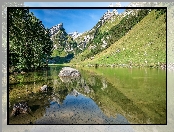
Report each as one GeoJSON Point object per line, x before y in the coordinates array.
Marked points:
{"type": "Point", "coordinates": [44, 88]}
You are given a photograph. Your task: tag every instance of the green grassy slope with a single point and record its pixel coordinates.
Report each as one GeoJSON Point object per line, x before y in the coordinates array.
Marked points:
{"type": "Point", "coordinates": [144, 45]}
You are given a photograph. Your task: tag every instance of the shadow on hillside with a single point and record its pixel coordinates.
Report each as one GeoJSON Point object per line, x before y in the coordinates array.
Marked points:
{"type": "Point", "coordinates": [61, 60]}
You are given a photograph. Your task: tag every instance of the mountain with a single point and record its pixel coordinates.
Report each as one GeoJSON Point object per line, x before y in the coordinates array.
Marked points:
{"type": "Point", "coordinates": [86, 40]}
{"type": "Point", "coordinates": [64, 45]}
{"type": "Point", "coordinates": [76, 42]}
{"type": "Point", "coordinates": [107, 36]}
{"type": "Point", "coordinates": [55, 29]}
{"type": "Point", "coordinates": [139, 39]}
{"type": "Point", "coordinates": [110, 28]}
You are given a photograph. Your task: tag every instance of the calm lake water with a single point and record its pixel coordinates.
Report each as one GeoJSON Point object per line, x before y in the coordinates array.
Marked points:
{"type": "Point", "coordinates": [100, 96]}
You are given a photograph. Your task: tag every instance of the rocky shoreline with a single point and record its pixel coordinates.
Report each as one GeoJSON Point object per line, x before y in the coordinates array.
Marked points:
{"type": "Point", "coordinates": [162, 66]}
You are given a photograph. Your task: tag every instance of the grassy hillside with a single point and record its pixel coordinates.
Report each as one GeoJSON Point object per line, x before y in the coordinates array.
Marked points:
{"type": "Point", "coordinates": [143, 45]}
{"type": "Point", "coordinates": [111, 31]}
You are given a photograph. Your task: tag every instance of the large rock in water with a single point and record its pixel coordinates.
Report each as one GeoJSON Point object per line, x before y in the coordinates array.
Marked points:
{"type": "Point", "coordinates": [69, 72]}
{"type": "Point", "coordinates": [19, 108]}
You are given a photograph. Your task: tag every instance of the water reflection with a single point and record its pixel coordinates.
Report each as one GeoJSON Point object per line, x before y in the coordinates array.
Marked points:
{"type": "Point", "coordinates": [77, 109]}
{"type": "Point", "coordinates": [99, 96]}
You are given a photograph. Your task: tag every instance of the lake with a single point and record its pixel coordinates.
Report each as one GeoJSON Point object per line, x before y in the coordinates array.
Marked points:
{"type": "Point", "coordinates": [99, 96]}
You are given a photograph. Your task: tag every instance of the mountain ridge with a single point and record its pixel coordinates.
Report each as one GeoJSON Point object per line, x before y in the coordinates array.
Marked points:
{"type": "Point", "coordinates": [109, 29]}
{"type": "Point", "coordinates": [143, 45]}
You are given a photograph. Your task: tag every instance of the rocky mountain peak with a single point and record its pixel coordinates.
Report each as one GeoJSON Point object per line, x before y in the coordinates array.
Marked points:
{"type": "Point", "coordinates": [56, 28]}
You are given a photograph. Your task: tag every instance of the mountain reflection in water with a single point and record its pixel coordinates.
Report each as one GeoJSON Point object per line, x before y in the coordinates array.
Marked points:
{"type": "Point", "coordinates": [99, 96]}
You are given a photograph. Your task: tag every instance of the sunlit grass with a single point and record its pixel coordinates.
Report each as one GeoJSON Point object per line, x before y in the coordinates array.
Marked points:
{"type": "Point", "coordinates": [144, 45]}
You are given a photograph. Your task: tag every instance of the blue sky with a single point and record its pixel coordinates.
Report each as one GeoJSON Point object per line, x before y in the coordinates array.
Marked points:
{"type": "Point", "coordinates": [79, 20]}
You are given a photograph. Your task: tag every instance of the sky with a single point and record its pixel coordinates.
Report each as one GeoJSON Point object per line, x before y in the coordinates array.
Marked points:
{"type": "Point", "coordinates": [79, 20]}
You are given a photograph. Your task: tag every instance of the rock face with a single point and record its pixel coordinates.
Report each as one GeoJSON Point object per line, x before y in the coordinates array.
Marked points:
{"type": "Point", "coordinates": [56, 28]}
{"type": "Point", "coordinates": [108, 15]}
{"type": "Point", "coordinates": [74, 34]}
{"type": "Point", "coordinates": [69, 72]}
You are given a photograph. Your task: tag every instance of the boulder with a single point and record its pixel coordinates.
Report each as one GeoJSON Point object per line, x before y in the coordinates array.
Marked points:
{"type": "Point", "coordinates": [74, 93]}
{"type": "Point", "coordinates": [20, 108]}
{"type": "Point", "coordinates": [69, 72]}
